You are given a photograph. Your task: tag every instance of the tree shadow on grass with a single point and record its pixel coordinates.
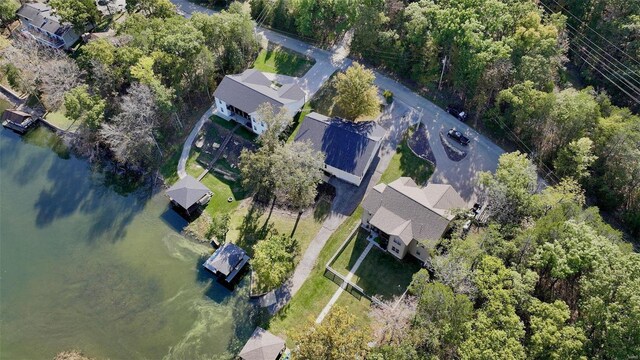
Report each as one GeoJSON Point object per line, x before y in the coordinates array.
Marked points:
{"type": "Point", "coordinates": [412, 166]}
{"type": "Point", "coordinates": [251, 231]}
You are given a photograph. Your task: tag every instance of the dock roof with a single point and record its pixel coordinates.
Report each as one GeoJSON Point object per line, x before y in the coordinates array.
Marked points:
{"type": "Point", "coordinates": [187, 191]}
{"type": "Point", "coordinates": [262, 345]}
{"type": "Point", "coordinates": [226, 259]}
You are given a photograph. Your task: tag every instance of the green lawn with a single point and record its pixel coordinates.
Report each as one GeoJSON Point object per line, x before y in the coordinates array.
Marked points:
{"type": "Point", "coordinates": [283, 61]}
{"type": "Point", "coordinates": [59, 120]}
{"type": "Point", "coordinates": [291, 132]}
{"type": "Point", "coordinates": [406, 163]}
{"type": "Point", "coordinates": [241, 131]}
{"type": "Point", "coordinates": [317, 290]}
{"type": "Point", "coordinates": [349, 255]}
{"type": "Point", "coordinates": [379, 274]}
{"type": "Point", "coordinates": [4, 105]}
{"type": "Point", "coordinates": [383, 276]}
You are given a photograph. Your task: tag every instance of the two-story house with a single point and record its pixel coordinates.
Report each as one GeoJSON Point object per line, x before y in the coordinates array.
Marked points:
{"type": "Point", "coordinates": [40, 23]}
{"type": "Point", "coordinates": [406, 217]}
{"type": "Point", "coordinates": [238, 97]}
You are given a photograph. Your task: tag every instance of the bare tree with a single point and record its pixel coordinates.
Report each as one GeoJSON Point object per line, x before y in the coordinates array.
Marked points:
{"type": "Point", "coordinates": [43, 71]}
{"type": "Point", "coordinates": [130, 134]}
{"type": "Point", "coordinates": [392, 321]}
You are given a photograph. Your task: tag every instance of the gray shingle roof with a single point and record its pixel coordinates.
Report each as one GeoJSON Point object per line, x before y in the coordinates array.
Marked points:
{"type": "Point", "coordinates": [41, 16]}
{"type": "Point", "coordinates": [247, 91]}
{"type": "Point", "coordinates": [225, 259]}
{"type": "Point", "coordinates": [347, 145]}
{"type": "Point", "coordinates": [262, 345]}
{"type": "Point", "coordinates": [187, 191]}
{"type": "Point", "coordinates": [427, 209]}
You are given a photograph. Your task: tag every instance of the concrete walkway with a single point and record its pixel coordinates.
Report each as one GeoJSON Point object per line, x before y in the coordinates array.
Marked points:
{"type": "Point", "coordinates": [340, 290]}
{"type": "Point", "coordinates": [186, 148]}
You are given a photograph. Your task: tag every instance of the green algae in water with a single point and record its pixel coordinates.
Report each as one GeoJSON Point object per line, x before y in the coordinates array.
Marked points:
{"type": "Point", "coordinates": [84, 267]}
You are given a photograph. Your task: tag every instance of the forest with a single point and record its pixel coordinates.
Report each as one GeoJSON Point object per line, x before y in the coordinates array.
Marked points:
{"type": "Point", "coordinates": [134, 94]}
{"type": "Point", "coordinates": [544, 278]}
{"type": "Point", "coordinates": [544, 75]}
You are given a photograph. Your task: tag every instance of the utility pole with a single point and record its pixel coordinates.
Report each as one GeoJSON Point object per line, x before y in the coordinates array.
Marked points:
{"type": "Point", "coordinates": [444, 64]}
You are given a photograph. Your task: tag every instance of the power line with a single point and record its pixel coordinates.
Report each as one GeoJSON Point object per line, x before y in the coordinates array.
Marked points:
{"type": "Point", "coordinates": [604, 38]}
{"type": "Point", "coordinates": [592, 45]}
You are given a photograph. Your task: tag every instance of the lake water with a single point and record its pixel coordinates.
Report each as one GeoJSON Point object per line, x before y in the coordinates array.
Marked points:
{"type": "Point", "coordinates": [83, 267]}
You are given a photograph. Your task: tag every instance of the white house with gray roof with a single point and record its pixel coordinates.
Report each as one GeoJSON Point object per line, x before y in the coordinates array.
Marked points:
{"type": "Point", "coordinates": [239, 96]}
{"type": "Point", "coordinates": [349, 147]}
{"type": "Point", "coordinates": [43, 25]}
{"type": "Point", "coordinates": [407, 217]}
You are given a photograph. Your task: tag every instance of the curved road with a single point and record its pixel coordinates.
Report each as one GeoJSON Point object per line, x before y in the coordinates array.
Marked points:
{"type": "Point", "coordinates": [482, 154]}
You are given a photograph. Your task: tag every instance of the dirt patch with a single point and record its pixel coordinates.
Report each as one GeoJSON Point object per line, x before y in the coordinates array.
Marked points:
{"type": "Point", "coordinates": [453, 153]}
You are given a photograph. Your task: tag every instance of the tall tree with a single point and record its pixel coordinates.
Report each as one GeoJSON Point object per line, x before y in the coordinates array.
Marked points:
{"type": "Point", "coordinates": [273, 260]}
{"type": "Point", "coordinates": [356, 95]}
{"type": "Point", "coordinates": [510, 191]}
{"type": "Point", "coordinates": [8, 10]}
{"type": "Point", "coordinates": [575, 159]}
{"type": "Point", "coordinates": [338, 337]}
{"type": "Point", "coordinates": [276, 120]}
{"type": "Point", "coordinates": [80, 13]}
{"type": "Point", "coordinates": [84, 107]}
{"type": "Point", "coordinates": [552, 337]}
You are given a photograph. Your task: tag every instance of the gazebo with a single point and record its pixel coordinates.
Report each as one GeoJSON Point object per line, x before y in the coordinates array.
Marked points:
{"type": "Point", "coordinates": [262, 345]}
{"type": "Point", "coordinates": [189, 193]}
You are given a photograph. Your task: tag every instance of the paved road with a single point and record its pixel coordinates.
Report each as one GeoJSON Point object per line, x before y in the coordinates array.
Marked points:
{"type": "Point", "coordinates": [482, 153]}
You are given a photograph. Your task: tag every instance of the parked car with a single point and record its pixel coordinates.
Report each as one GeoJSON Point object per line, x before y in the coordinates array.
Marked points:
{"type": "Point", "coordinates": [102, 2]}
{"type": "Point", "coordinates": [458, 136]}
{"type": "Point", "coordinates": [457, 112]}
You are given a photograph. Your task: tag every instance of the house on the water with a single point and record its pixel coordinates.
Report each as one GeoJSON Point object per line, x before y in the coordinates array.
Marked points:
{"type": "Point", "coordinates": [406, 217]}
{"type": "Point", "coordinates": [349, 146]}
{"type": "Point", "coordinates": [262, 345]}
{"type": "Point", "coordinates": [227, 262]}
{"type": "Point", "coordinates": [239, 96]}
{"type": "Point", "coordinates": [42, 24]}
{"type": "Point", "coordinates": [17, 120]}
{"type": "Point", "coordinates": [189, 194]}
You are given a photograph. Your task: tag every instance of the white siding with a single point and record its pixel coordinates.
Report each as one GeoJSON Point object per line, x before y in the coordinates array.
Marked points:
{"type": "Point", "coordinates": [343, 175]}
{"type": "Point", "coordinates": [221, 107]}
{"type": "Point", "coordinates": [396, 247]}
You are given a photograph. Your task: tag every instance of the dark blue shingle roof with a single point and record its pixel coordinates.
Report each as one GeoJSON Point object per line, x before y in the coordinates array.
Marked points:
{"type": "Point", "coordinates": [347, 145]}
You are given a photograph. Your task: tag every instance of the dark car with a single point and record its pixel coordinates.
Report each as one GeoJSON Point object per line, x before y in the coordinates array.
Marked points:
{"type": "Point", "coordinates": [457, 112]}
{"type": "Point", "coordinates": [102, 2]}
{"type": "Point", "coordinates": [458, 136]}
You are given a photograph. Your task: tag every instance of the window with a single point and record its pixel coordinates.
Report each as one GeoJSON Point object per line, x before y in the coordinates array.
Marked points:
{"type": "Point", "coordinates": [418, 252]}
{"type": "Point", "coordinates": [397, 242]}
{"type": "Point", "coordinates": [393, 248]}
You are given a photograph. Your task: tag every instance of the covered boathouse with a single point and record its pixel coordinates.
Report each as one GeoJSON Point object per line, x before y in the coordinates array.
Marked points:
{"type": "Point", "coordinates": [189, 194]}
{"type": "Point", "coordinates": [17, 120]}
{"type": "Point", "coordinates": [227, 262]}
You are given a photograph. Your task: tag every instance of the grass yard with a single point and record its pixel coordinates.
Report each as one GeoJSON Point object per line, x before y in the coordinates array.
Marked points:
{"type": "Point", "coordinates": [4, 105]}
{"type": "Point", "coordinates": [241, 131]}
{"type": "Point", "coordinates": [278, 60]}
{"type": "Point", "coordinates": [379, 274]}
{"type": "Point", "coordinates": [324, 102]}
{"type": "Point", "coordinates": [383, 276]}
{"type": "Point", "coordinates": [406, 163]}
{"type": "Point", "coordinates": [314, 294]}
{"type": "Point", "coordinates": [349, 255]}
{"type": "Point", "coordinates": [292, 131]}
{"type": "Point", "coordinates": [59, 120]}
